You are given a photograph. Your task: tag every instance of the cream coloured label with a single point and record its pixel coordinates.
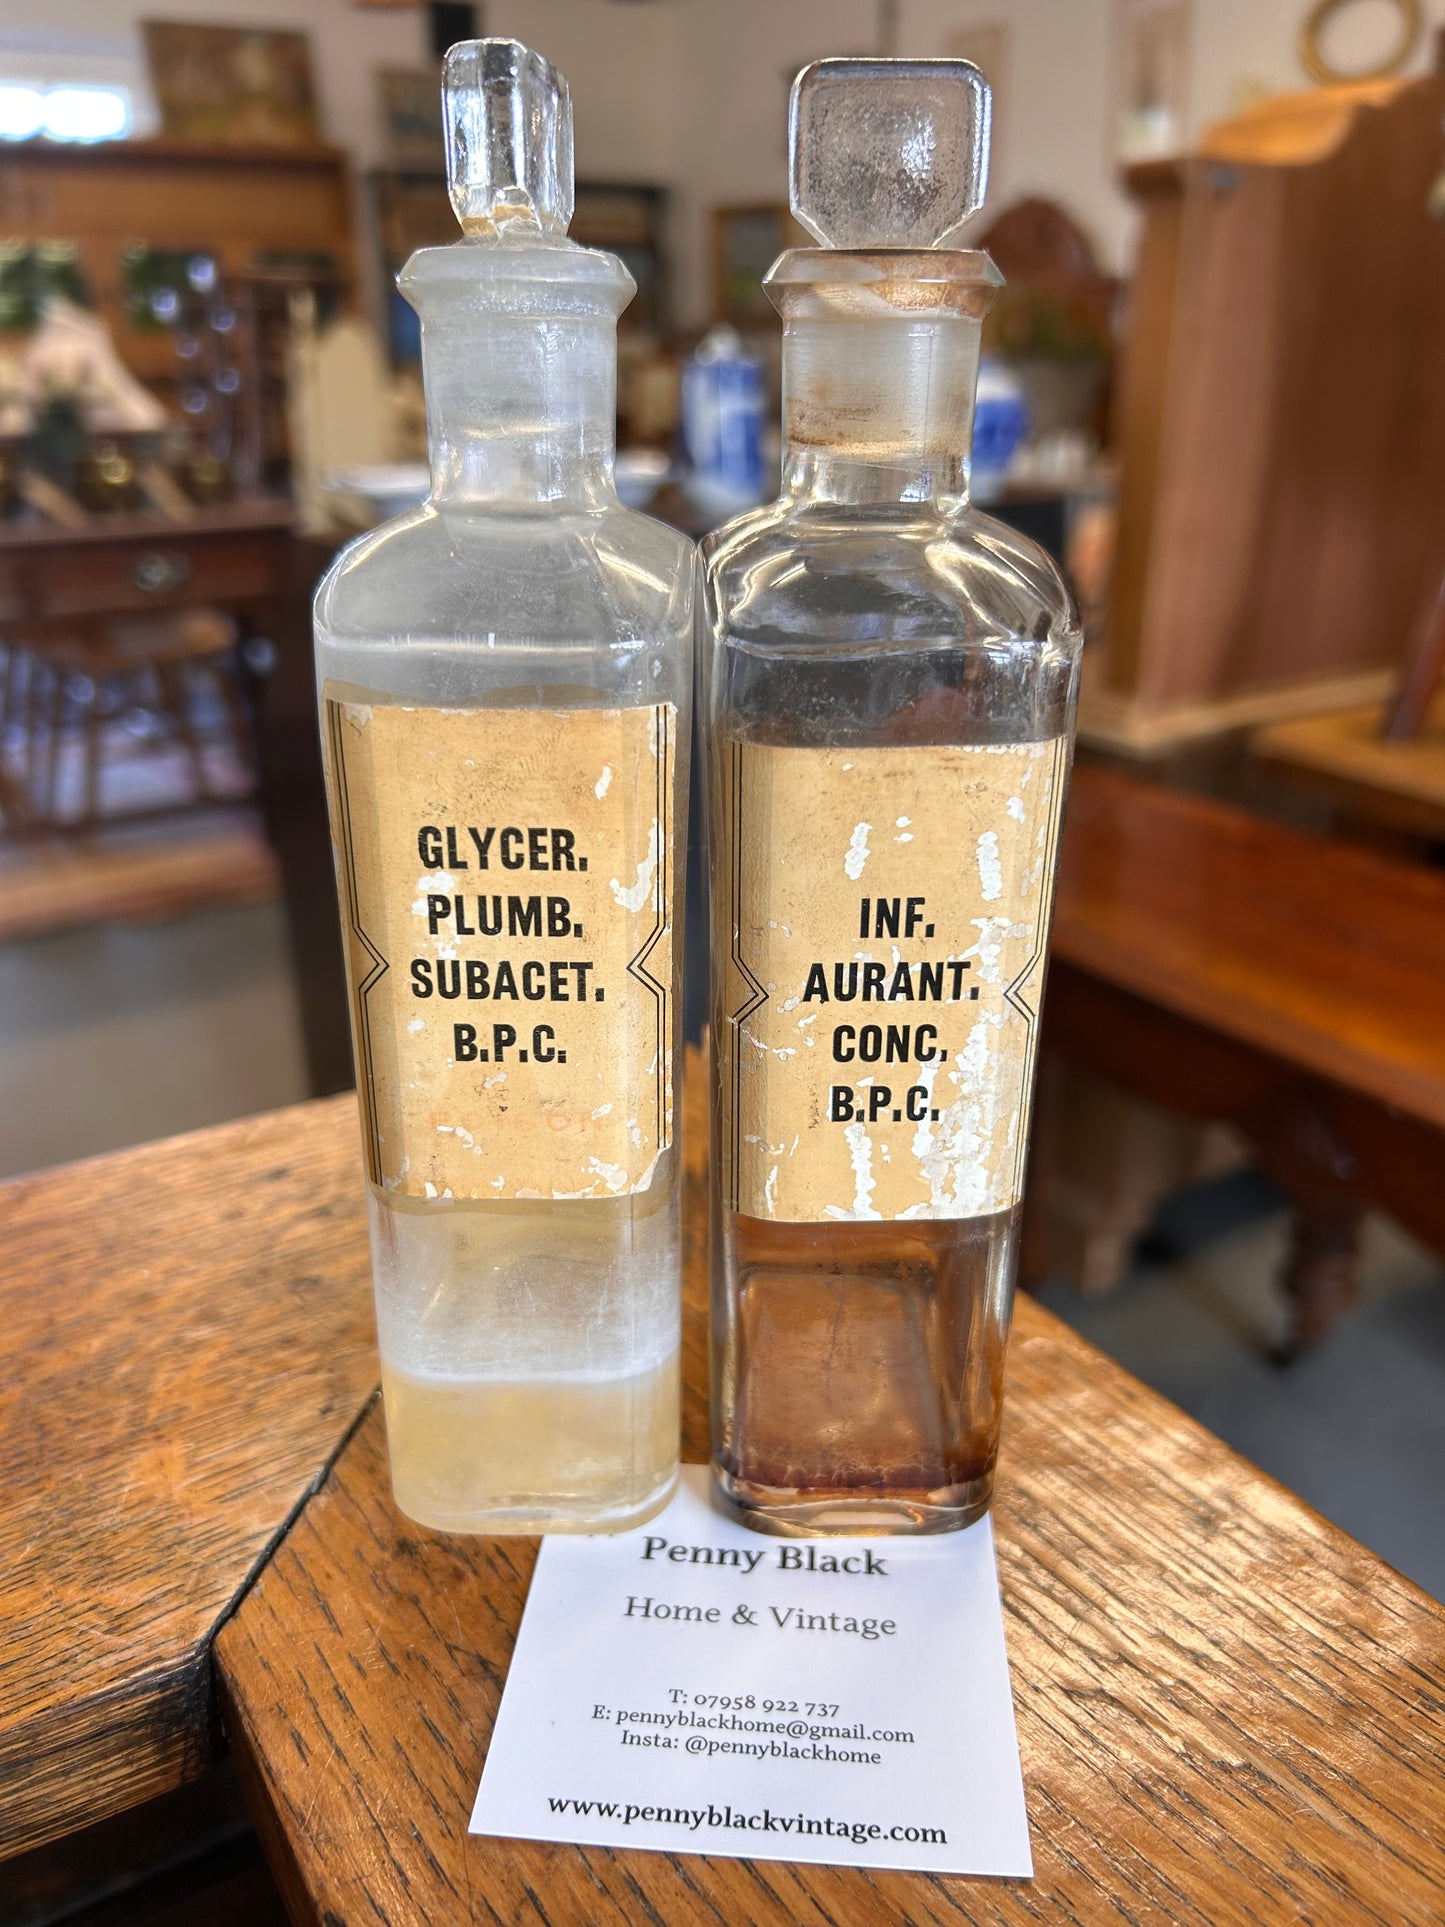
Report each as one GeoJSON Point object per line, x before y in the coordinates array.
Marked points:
{"type": "Point", "coordinates": [507, 890]}
{"type": "Point", "coordinates": [889, 912]}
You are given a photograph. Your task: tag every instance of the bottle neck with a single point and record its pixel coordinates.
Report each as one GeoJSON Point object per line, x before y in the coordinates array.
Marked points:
{"type": "Point", "coordinates": [879, 410]}
{"type": "Point", "coordinates": [877, 376]}
{"type": "Point", "coordinates": [521, 411]}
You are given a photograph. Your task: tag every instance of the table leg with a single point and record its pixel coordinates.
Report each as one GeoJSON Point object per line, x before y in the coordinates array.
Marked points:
{"type": "Point", "coordinates": [1320, 1275]}
{"type": "Point", "coordinates": [1306, 1148]}
{"type": "Point", "coordinates": [1334, 1149]}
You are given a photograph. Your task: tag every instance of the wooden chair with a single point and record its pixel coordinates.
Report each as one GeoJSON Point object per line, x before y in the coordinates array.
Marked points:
{"type": "Point", "coordinates": [81, 679]}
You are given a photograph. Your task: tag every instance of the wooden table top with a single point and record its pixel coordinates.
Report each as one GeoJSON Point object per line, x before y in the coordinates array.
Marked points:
{"type": "Point", "coordinates": [1228, 1711]}
{"type": "Point", "coordinates": [1329, 957]}
{"type": "Point", "coordinates": [188, 1339]}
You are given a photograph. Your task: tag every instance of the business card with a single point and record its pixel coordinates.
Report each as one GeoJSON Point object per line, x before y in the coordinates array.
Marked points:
{"type": "Point", "coordinates": [695, 1687]}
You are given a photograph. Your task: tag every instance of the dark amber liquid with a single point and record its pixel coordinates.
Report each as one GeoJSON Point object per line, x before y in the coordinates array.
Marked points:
{"type": "Point", "coordinates": [860, 1371]}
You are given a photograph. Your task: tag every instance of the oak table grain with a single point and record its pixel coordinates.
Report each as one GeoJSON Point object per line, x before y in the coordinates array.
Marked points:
{"type": "Point", "coordinates": [1230, 968]}
{"type": "Point", "coordinates": [187, 1340]}
{"type": "Point", "coordinates": [1228, 1711]}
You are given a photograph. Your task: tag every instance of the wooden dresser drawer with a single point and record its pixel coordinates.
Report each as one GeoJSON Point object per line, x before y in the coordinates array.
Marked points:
{"type": "Point", "coordinates": [118, 578]}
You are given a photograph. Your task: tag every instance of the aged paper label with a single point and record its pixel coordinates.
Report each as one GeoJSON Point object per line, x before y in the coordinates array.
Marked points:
{"type": "Point", "coordinates": [890, 912]}
{"type": "Point", "coordinates": [507, 891]}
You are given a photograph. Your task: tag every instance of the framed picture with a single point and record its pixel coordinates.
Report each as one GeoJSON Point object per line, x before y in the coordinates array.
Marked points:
{"type": "Point", "coordinates": [745, 243]}
{"type": "Point", "coordinates": [237, 86]}
{"type": "Point", "coordinates": [411, 116]}
{"type": "Point", "coordinates": [1151, 78]}
{"type": "Point", "coordinates": [629, 221]}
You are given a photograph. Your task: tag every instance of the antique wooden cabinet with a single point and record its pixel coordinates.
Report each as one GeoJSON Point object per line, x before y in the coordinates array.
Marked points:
{"type": "Point", "coordinates": [1281, 417]}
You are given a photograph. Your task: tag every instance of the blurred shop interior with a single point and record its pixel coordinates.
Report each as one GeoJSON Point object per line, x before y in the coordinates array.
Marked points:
{"type": "Point", "coordinates": [1213, 389]}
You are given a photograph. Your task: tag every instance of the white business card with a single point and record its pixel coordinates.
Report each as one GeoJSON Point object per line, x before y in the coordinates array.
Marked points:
{"type": "Point", "coordinates": [695, 1687]}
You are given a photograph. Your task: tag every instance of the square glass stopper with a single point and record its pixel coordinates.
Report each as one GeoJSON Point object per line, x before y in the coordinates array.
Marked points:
{"type": "Point", "coordinates": [888, 153]}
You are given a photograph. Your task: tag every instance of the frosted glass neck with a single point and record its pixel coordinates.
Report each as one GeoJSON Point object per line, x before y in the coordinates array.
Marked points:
{"type": "Point", "coordinates": [519, 363]}
{"type": "Point", "coordinates": [521, 413]}
{"type": "Point", "coordinates": [878, 411]}
{"type": "Point", "coordinates": [880, 365]}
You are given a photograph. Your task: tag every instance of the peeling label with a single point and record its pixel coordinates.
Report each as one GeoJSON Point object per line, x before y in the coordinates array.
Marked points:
{"type": "Point", "coordinates": [507, 895]}
{"type": "Point", "coordinates": [890, 913]}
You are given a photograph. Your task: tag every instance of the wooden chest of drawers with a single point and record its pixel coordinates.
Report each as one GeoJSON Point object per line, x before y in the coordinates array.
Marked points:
{"type": "Point", "coordinates": [231, 556]}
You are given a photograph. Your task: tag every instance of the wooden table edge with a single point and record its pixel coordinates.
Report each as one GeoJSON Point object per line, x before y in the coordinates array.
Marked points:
{"type": "Point", "coordinates": [160, 1718]}
{"type": "Point", "coordinates": [195, 1740]}
{"type": "Point", "coordinates": [1053, 1330]}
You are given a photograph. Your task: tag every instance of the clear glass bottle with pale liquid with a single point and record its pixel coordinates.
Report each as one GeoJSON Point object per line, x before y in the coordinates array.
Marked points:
{"type": "Point", "coordinates": [890, 680]}
{"type": "Point", "coordinates": [505, 691]}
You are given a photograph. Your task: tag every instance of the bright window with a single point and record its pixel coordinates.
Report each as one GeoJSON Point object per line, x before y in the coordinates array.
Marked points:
{"type": "Point", "coordinates": [64, 113]}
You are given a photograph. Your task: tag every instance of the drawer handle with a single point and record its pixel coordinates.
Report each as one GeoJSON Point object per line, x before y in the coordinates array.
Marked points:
{"type": "Point", "coordinates": [157, 573]}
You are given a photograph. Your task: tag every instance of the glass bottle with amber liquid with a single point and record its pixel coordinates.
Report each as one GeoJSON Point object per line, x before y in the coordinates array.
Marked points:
{"type": "Point", "coordinates": [505, 678]}
{"type": "Point", "coordinates": [890, 687]}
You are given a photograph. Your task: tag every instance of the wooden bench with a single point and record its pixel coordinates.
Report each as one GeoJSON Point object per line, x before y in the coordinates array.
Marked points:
{"type": "Point", "coordinates": [1224, 966]}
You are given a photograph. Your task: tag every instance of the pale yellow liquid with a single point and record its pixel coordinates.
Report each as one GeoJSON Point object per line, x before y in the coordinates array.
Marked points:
{"type": "Point", "coordinates": [552, 1455]}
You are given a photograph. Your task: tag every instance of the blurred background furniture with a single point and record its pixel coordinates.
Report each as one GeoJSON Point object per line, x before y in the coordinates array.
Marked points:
{"type": "Point", "coordinates": [275, 220]}
{"type": "Point", "coordinates": [1383, 764]}
{"type": "Point", "coordinates": [1224, 967]}
{"type": "Point", "coordinates": [1345, 758]}
{"type": "Point", "coordinates": [88, 685]}
{"type": "Point", "coordinates": [128, 648]}
{"type": "Point", "coordinates": [1053, 319]}
{"type": "Point", "coordinates": [123, 617]}
{"type": "Point", "coordinates": [109, 624]}
{"type": "Point", "coordinates": [293, 808]}
{"type": "Point", "coordinates": [1281, 424]}
{"type": "Point", "coordinates": [1052, 327]}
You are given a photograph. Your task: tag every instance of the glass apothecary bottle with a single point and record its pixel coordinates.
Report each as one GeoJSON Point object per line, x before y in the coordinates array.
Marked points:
{"type": "Point", "coordinates": [890, 686]}
{"type": "Point", "coordinates": [505, 688]}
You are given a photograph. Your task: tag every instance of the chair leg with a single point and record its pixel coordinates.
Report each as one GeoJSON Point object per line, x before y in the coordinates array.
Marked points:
{"type": "Point", "coordinates": [93, 749]}
{"type": "Point", "coordinates": [54, 702]}
{"type": "Point", "coordinates": [229, 684]}
{"type": "Point", "coordinates": [176, 692]}
{"type": "Point", "coordinates": [27, 733]}
{"type": "Point", "coordinates": [12, 805]}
